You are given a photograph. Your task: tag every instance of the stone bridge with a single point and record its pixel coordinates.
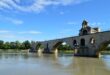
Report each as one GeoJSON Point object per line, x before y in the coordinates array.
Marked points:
{"type": "Point", "coordinates": [89, 42]}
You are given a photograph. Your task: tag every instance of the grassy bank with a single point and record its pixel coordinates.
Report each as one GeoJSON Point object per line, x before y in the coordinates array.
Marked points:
{"type": "Point", "coordinates": [13, 51]}
{"type": "Point", "coordinates": [66, 51]}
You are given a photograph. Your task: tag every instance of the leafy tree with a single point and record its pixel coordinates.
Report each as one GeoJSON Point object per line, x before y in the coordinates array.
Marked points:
{"type": "Point", "coordinates": [17, 44]}
{"type": "Point", "coordinates": [6, 45]}
{"type": "Point", "coordinates": [12, 45]}
{"type": "Point", "coordinates": [64, 47]}
{"type": "Point", "coordinates": [1, 44]}
{"type": "Point", "coordinates": [27, 44]}
{"type": "Point", "coordinates": [38, 46]}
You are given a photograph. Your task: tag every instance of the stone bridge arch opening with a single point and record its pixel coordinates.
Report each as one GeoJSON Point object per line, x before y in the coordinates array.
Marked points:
{"type": "Point", "coordinates": [62, 47]}
{"type": "Point", "coordinates": [39, 48]}
{"type": "Point", "coordinates": [104, 48]}
{"type": "Point", "coordinates": [82, 42]}
{"type": "Point", "coordinates": [74, 43]}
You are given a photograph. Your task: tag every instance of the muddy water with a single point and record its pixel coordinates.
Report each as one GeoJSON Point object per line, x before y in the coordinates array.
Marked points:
{"type": "Point", "coordinates": [42, 64]}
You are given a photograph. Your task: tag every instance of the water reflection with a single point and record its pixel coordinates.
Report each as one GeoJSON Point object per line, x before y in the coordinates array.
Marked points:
{"type": "Point", "coordinates": [106, 60]}
{"type": "Point", "coordinates": [65, 61]}
{"type": "Point", "coordinates": [53, 64]}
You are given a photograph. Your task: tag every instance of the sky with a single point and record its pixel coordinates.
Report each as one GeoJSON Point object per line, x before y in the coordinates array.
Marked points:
{"type": "Point", "coordinates": [41, 20]}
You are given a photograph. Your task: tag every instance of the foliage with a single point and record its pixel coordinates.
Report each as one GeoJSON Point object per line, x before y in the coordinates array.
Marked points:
{"type": "Point", "coordinates": [15, 45]}
{"type": "Point", "coordinates": [38, 45]}
{"type": "Point", "coordinates": [26, 44]}
{"type": "Point", "coordinates": [64, 47]}
{"type": "Point", "coordinates": [1, 43]}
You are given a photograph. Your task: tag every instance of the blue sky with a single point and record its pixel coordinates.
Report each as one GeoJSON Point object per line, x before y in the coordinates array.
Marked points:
{"type": "Point", "coordinates": [41, 20]}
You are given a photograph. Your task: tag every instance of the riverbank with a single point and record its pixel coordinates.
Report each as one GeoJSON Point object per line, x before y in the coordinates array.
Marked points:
{"type": "Point", "coordinates": [105, 52]}
{"type": "Point", "coordinates": [14, 50]}
{"type": "Point", "coordinates": [67, 51]}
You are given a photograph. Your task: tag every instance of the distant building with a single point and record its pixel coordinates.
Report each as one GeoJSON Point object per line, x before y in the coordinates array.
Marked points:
{"type": "Point", "coordinates": [86, 29]}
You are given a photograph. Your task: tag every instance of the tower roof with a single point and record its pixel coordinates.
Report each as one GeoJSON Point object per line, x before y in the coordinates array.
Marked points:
{"type": "Point", "coordinates": [84, 22]}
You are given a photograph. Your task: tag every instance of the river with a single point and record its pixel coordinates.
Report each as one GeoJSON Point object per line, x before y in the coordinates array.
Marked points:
{"type": "Point", "coordinates": [52, 64]}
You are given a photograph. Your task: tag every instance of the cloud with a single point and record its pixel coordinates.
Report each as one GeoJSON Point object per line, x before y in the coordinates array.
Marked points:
{"type": "Point", "coordinates": [72, 23]}
{"type": "Point", "coordinates": [35, 5]}
{"type": "Point", "coordinates": [30, 32]}
{"type": "Point", "coordinates": [21, 32]}
{"type": "Point", "coordinates": [62, 13]}
{"type": "Point", "coordinates": [11, 20]}
{"type": "Point", "coordinates": [17, 22]}
{"type": "Point", "coordinates": [65, 31]}
{"type": "Point", "coordinates": [7, 36]}
{"type": "Point", "coordinates": [16, 35]}
{"type": "Point", "coordinates": [97, 23]}
{"type": "Point", "coordinates": [4, 31]}
{"type": "Point", "coordinates": [14, 21]}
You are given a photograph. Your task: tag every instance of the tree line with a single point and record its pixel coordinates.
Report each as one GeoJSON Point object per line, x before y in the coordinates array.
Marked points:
{"type": "Point", "coordinates": [64, 47]}
{"type": "Point", "coordinates": [15, 45]}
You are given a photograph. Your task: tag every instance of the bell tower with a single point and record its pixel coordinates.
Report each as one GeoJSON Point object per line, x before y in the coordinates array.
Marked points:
{"type": "Point", "coordinates": [85, 30]}
{"type": "Point", "coordinates": [84, 24]}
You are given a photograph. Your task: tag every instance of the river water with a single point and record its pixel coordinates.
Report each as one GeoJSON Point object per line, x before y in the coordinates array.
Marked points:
{"type": "Point", "coordinates": [51, 64]}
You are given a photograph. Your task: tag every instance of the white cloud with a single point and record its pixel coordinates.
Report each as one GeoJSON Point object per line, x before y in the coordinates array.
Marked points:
{"type": "Point", "coordinates": [17, 22]}
{"type": "Point", "coordinates": [7, 36]}
{"type": "Point", "coordinates": [37, 5]}
{"type": "Point", "coordinates": [71, 23]}
{"type": "Point", "coordinates": [11, 20]}
{"type": "Point", "coordinates": [3, 4]}
{"type": "Point", "coordinates": [4, 31]}
{"type": "Point", "coordinates": [61, 13]}
{"type": "Point", "coordinates": [96, 23]}
{"type": "Point", "coordinates": [21, 32]}
{"type": "Point", "coordinates": [65, 31]}
{"type": "Point", "coordinates": [30, 32]}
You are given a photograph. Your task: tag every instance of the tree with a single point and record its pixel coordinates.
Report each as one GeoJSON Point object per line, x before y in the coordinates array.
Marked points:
{"type": "Point", "coordinates": [17, 44]}
{"type": "Point", "coordinates": [12, 45]}
{"type": "Point", "coordinates": [27, 44]}
{"type": "Point", "coordinates": [64, 47]}
{"type": "Point", "coordinates": [6, 45]}
{"type": "Point", "coordinates": [1, 44]}
{"type": "Point", "coordinates": [38, 46]}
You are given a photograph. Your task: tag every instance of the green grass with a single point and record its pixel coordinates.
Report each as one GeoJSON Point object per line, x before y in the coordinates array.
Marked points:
{"type": "Point", "coordinates": [66, 51]}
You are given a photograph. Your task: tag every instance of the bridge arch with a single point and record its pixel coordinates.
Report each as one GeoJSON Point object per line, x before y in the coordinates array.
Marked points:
{"type": "Point", "coordinates": [104, 45]}
{"type": "Point", "coordinates": [57, 45]}
{"type": "Point", "coordinates": [74, 42]}
{"type": "Point", "coordinates": [36, 46]}
{"type": "Point", "coordinates": [61, 44]}
{"type": "Point", "coordinates": [40, 47]}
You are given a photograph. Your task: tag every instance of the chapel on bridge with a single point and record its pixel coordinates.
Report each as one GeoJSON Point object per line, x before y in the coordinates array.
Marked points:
{"type": "Point", "coordinates": [86, 29]}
